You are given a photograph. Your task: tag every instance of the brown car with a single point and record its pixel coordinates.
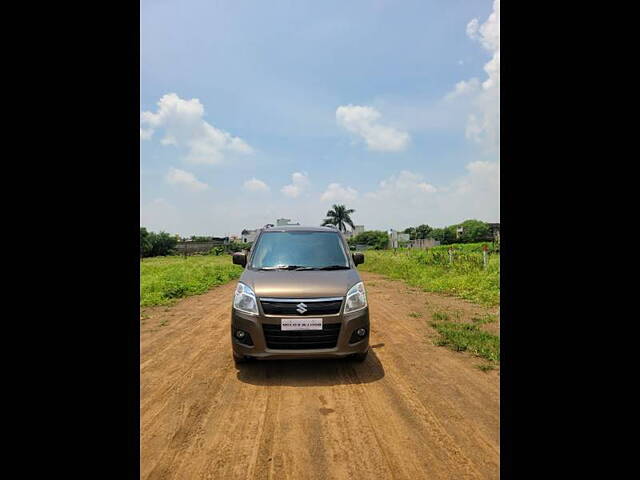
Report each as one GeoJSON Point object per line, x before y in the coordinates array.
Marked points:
{"type": "Point", "coordinates": [300, 296]}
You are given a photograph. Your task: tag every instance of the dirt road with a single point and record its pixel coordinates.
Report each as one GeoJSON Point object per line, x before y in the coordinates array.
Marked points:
{"type": "Point", "coordinates": [412, 410]}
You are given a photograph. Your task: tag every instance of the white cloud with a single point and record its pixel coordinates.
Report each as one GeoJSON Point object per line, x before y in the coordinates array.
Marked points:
{"type": "Point", "coordinates": [427, 187]}
{"type": "Point", "coordinates": [405, 184]}
{"type": "Point", "coordinates": [299, 182]}
{"type": "Point", "coordinates": [483, 125]}
{"type": "Point", "coordinates": [472, 29]}
{"type": "Point", "coordinates": [363, 121]}
{"type": "Point", "coordinates": [404, 199]}
{"type": "Point", "coordinates": [464, 88]}
{"type": "Point", "coordinates": [408, 199]}
{"type": "Point", "coordinates": [482, 176]}
{"type": "Point", "coordinates": [145, 133]}
{"type": "Point", "coordinates": [337, 193]}
{"type": "Point", "coordinates": [175, 176]}
{"type": "Point", "coordinates": [255, 185]}
{"type": "Point", "coordinates": [184, 127]}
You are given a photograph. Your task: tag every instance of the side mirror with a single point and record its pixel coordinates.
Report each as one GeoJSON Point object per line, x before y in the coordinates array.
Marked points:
{"type": "Point", "coordinates": [240, 258]}
{"type": "Point", "coordinates": [358, 258]}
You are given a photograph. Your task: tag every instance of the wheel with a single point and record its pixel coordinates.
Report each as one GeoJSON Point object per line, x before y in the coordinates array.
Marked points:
{"type": "Point", "coordinates": [360, 357]}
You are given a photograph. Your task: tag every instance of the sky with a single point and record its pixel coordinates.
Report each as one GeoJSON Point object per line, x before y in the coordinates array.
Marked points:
{"type": "Point", "coordinates": [252, 111]}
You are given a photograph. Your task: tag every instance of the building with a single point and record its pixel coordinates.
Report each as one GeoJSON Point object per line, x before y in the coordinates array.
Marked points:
{"type": "Point", "coordinates": [357, 229]}
{"type": "Point", "coordinates": [281, 222]}
{"type": "Point", "coordinates": [423, 243]}
{"type": "Point", "coordinates": [396, 238]}
{"type": "Point", "coordinates": [249, 236]}
{"type": "Point", "coordinates": [495, 230]}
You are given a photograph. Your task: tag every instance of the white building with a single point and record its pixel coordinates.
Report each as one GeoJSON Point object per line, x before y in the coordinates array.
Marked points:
{"type": "Point", "coordinates": [395, 238]}
{"type": "Point", "coordinates": [249, 236]}
{"type": "Point", "coordinates": [356, 230]}
{"type": "Point", "coordinates": [281, 222]}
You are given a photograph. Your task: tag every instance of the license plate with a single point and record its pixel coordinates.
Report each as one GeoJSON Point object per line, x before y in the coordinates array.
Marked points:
{"type": "Point", "coordinates": [301, 324]}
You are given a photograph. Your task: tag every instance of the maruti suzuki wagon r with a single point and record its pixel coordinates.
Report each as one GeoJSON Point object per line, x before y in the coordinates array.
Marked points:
{"type": "Point", "coordinates": [300, 296]}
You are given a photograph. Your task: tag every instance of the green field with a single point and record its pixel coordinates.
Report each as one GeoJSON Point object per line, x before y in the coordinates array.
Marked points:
{"type": "Point", "coordinates": [163, 280]}
{"type": "Point", "coordinates": [430, 270]}
{"type": "Point", "coordinates": [468, 337]}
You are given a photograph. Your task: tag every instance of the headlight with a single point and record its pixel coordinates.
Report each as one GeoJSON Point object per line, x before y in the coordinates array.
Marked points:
{"type": "Point", "coordinates": [356, 298]}
{"type": "Point", "coordinates": [244, 300]}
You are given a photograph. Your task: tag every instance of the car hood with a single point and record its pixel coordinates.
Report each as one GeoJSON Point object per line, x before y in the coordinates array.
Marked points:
{"type": "Point", "coordinates": [300, 284]}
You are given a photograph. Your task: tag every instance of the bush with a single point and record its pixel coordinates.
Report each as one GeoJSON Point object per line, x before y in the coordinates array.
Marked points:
{"type": "Point", "coordinates": [145, 243]}
{"type": "Point", "coordinates": [472, 231]}
{"type": "Point", "coordinates": [237, 247]}
{"type": "Point", "coordinates": [431, 270]}
{"type": "Point", "coordinates": [376, 239]}
{"type": "Point", "coordinates": [163, 280]}
{"type": "Point", "coordinates": [156, 244]}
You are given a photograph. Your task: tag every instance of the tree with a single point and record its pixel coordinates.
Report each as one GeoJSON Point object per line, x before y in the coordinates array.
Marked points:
{"type": "Point", "coordinates": [438, 234]}
{"type": "Point", "coordinates": [474, 231]}
{"type": "Point", "coordinates": [145, 243]}
{"type": "Point", "coordinates": [423, 231]}
{"type": "Point", "coordinates": [450, 235]}
{"type": "Point", "coordinates": [445, 236]}
{"type": "Point", "coordinates": [411, 231]}
{"type": "Point", "coordinates": [376, 239]}
{"type": "Point", "coordinates": [161, 244]}
{"type": "Point", "coordinates": [339, 216]}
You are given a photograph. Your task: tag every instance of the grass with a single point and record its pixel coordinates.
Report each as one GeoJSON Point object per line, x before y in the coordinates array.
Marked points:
{"type": "Point", "coordinates": [467, 337]}
{"type": "Point", "coordinates": [486, 318]}
{"type": "Point", "coordinates": [415, 314]}
{"type": "Point", "coordinates": [485, 367]}
{"type": "Point", "coordinates": [440, 316]}
{"type": "Point", "coordinates": [164, 280]}
{"type": "Point", "coordinates": [430, 270]}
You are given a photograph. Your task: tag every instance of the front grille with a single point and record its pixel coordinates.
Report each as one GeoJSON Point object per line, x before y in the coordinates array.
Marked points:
{"type": "Point", "coordinates": [273, 307]}
{"type": "Point", "coordinates": [301, 340]}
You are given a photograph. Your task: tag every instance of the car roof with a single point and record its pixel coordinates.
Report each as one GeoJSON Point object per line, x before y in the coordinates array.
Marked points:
{"type": "Point", "coordinates": [300, 228]}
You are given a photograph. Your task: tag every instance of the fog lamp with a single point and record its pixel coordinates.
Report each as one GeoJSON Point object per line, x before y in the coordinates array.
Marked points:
{"type": "Point", "coordinates": [361, 332]}
{"type": "Point", "coordinates": [240, 333]}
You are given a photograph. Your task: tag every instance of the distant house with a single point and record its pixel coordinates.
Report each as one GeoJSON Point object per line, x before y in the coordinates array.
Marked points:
{"type": "Point", "coordinates": [249, 236]}
{"type": "Point", "coordinates": [495, 230]}
{"type": "Point", "coordinates": [281, 222]}
{"type": "Point", "coordinates": [424, 243]}
{"type": "Point", "coordinates": [356, 230]}
{"type": "Point", "coordinates": [396, 238]}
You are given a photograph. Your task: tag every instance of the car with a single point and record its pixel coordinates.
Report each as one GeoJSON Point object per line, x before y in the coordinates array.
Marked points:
{"type": "Point", "coordinates": [299, 296]}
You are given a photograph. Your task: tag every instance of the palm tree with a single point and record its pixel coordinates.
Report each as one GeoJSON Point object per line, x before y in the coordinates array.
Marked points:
{"type": "Point", "coordinates": [339, 216]}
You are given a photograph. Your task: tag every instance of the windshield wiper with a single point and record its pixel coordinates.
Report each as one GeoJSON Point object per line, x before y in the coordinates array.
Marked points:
{"type": "Point", "coordinates": [287, 267]}
{"type": "Point", "coordinates": [302, 267]}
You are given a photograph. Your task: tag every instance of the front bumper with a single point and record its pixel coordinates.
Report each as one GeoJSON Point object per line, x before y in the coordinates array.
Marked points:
{"type": "Point", "coordinates": [252, 324]}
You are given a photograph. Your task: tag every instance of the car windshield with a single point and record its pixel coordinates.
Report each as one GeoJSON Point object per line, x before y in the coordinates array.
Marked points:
{"type": "Point", "coordinates": [299, 251]}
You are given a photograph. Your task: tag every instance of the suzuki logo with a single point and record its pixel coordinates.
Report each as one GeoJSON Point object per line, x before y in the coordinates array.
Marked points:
{"type": "Point", "coordinates": [302, 308]}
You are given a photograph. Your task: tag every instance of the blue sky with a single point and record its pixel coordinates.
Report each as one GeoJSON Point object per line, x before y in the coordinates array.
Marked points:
{"type": "Point", "coordinates": [252, 111]}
